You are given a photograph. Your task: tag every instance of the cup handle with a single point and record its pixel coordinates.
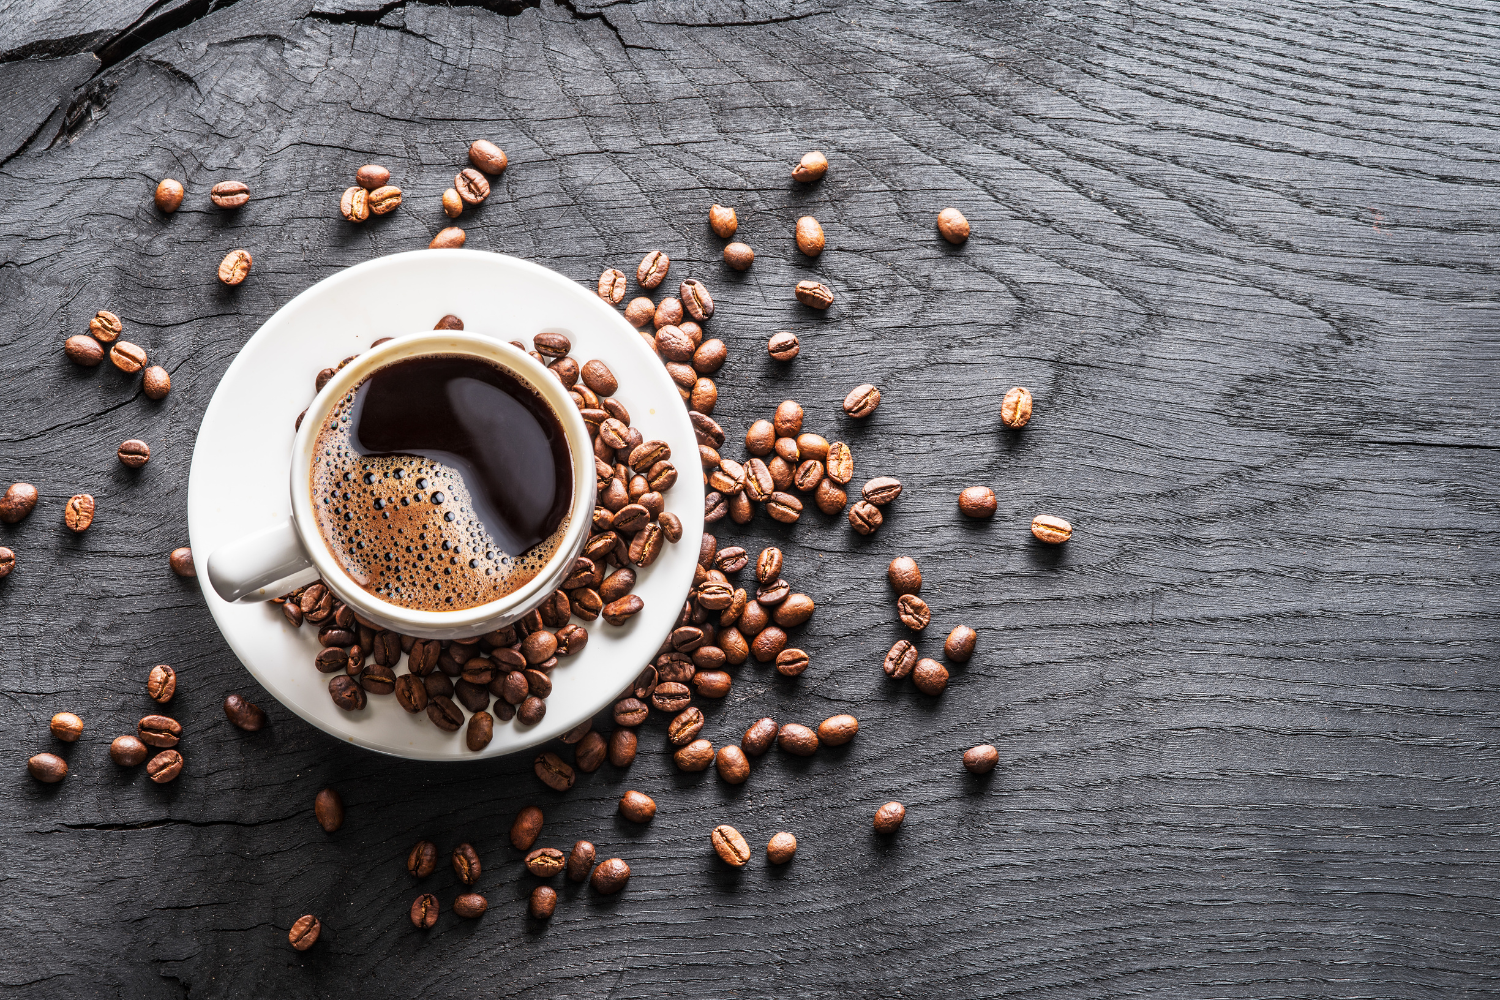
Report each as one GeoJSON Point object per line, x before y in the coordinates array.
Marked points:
{"type": "Point", "coordinates": [248, 568]}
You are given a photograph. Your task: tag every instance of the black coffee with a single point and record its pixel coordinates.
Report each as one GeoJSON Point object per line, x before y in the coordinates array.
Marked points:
{"type": "Point", "coordinates": [442, 483]}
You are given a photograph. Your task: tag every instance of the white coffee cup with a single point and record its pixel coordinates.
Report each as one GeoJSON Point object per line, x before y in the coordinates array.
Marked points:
{"type": "Point", "coordinates": [285, 556]}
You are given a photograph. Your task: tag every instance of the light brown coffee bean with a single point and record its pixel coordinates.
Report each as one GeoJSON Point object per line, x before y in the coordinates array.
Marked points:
{"type": "Point", "coordinates": [810, 168]}
{"type": "Point", "coordinates": [913, 612]}
{"type": "Point", "coordinates": [328, 809]}
{"type": "Point", "coordinates": [696, 299]}
{"type": "Point", "coordinates": [953, 226]}
{"type": "Point", "coordinates": [553, 771]}
{"type": "Point", "coordinates": [156, 382]}
{"type": "Point", "coordinates": [470, 905]}
{"type": "Point", "coordinates": [652, 269]}
{"type": "Point", "coordinates": [640, 311]}
{"type": "Point", "coordinates": [723, 220]}
{"type": "Point", "coordinates": [1052, 530]}
{"type": "Point", "coordinates": [791, 662]}
{"type": "Point", "coordinates": [768, 644]}
{"type": "Point", "coordinates": [229, 194]}
{"type": "Point", "coordinates": [385, 199]}
{"type": "Point", "coordinates": [759, 737]}
{"type": "Point", "coordinates": [487, 156]}
{"type": "Point", "coordinates": [372, 176]}
{"type": "Point", "coordinates": [127, 357]}
{"type": "Point", "coordinates": [79, 513]}
{"type": "Point", "coordinates": [711, 683]}
{"type": "Point", "coordinates": [704, 395]}
{"type": "Point", "coordinates": [450, 238]}
{"type": "Point", "coordinates": [888, 818]}
{"type": "Point", "coordinates": [730, 845]}
{"type": "Point", "coordinates": [784, 346]}
{"type": "Point", "coordinates": [882, 490]}
{"type": "Point", "coordinates": [66, 726]}
{"type": "Point", "coordinates": [787, 422]}
{"type": "Point", "coordinates": [133, 453]}
{"type": "Point", "coordinates": [164, 767]}
{"type": "Point", "coordinates": [739, 256]}
{"type": "Point", "coordinates": [731, 764]}
{"type": "Point", "coordinates": [797, 739]}
{"type": "Point", "coordinates": [862, 401]}
{"type": "Point", "coordinates": [128, 751]}
{"type": "Point", "coordinates": [668, 313]}
{"type": "Point", "coordinates": [612, 286]}
{"type": "Point", "coordinates": [930, 676]}
{"type": "Point", "coordinates": [472, 186]}
{"type": "Point", "coordinates": [638, 807]}
{"type": "Point", "coordinates": [622, 747]}
{"type": "Point", "coordinates": [354, 204]}
{"type": "Point", "coordinates": [960, 644]}
{"type": "Point", "coordinates": [837, 730]}
{"type": "Point", "coordinates": [610, 876]}
{"type": "Point", "coordinates": [981, 759]}
{"type": "Point", "coordinates": [1015, 408]}
{"type": "Point", "coordinates": [82, 350]}
{"type": "Point", "coordinates": [814, 294]}
{"type": "Point", "coordinates": [159, 731]}
{"type": "Point", "coordinates": [905, 575]}
{"type": "Point", "coordinates": [169, 194]}
{"type": "Point", "coordinates": [809, 236]}
{"type": "Point", "coordinates": [304, 932]}
{"type": "Point", "coordinates": [105, 326]}
{"type": "Point", "coordinates": [781, 848]}
{"type": "Point", "coordinates": [235, 266]}
{"type": "Point", "coordinates": [793, 611]}
{"type": "Point", "coordinates": [684, 727]}
{"type": "Point", "coordinates": [694, 757]}
{"type": "Point", "coordinates": [784, 507]}
{"type": "Point", "coordinates": [977, 502]}
{"type": "Point", "coordinates": [829, 497]}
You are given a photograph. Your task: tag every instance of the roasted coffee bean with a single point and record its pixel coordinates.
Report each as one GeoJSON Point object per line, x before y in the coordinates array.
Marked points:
{"type": "Point", "coordinates": [571, 639]}
{"type": "Point", "coordinates": [759, 736]}
{"type": "Point", "coordinates": [694, 757]}
{"type": "Point", "coordinates": [229, 194]}
{"type": "Point", "coordinates": [1015, 408]}
{"type": "Point", "coordinates": [760, 438]}
{"type": "Point", "coordinates": [620, 611]}
{"type": "Point", "coordinates": [829, 498]}
{"type": "Point", "coordinates": [913, 612]}
{"type": "Point", "coordinates": [715, 596]}
{"type": "Point", "coordinates": [791, 662]}
{"type": "Point", "coordinates": [704, 395]}
{"type": "Point", "coordinates": [797, 739]}
{"type": "Point", "coordinates": [811, 446]}
{"type": "Point", "coordinates": [423, 656]}
{"type": "Point", "coordinates": [545, 862]}
{"type": "Point", "coordinates": [181, 561]}
{"type": "Point", "coordinates": [731, 847]}
{"type": "Point", "coordinates": [66, 726]}
{"type": "Point", "coordinates": [380, 680]}
{"type": "Point", "coordinates": [332, 659]}
{"type": "Point", "coordinates": [768, 565]}
{"type": "Point", "coordinates": [644, 683]}
{"type": "Point", "coordinates": [156, 382]}
{"type": "Point", "coordinates": [655, 504]}
{"type": "Point", "coordinates": [466, 864]}
{"type": "Point", "coordinates": [82, 350]}
{"type": "Point", "coordinates": [105, 326]}
{"type": "Point", "coordinates": [526, 828]}
{"type": "Point", "coordinates": [731, 764]}
{"type": "Point", "coordinates": [686, 638]}
{"type": "Point", "coordinates": [882, 490]}
{"type": "Point", "coordinates": [782, 471]}
{"type": "Point", "coordinates": [773, 593]}
{"type": "Point", "coordinates": [487, 156]}
{"type": "Point", "coordinates": [543, 902]}
{"type": "Point", "coordinates": [552, 344]}
{"type": "Point", "coordinates": [639, 311]}
{"type": "Point", "coordinates": [531, 711]}
{"type": "Point", "coordinates": [622, 747]}
{"type": "Point", "coordinates": [304, 932]}
{"type": "Point", "coordinates": [127, 751]}
{"type": "Point", "coordinates": [671, 697]}
{"type": "Point", "coordinates": [470, 905]}
{"type": "Point", "coordinates": [953, 226]}
{"type": "Point", "coordinates": [597, 376]}
{"type": "Point", "coordinates": [7, 562]}
{"type": "Point", "coordinates": [977, 501]}
{"type": "Point", "coordinates": [439, 685]}
{"type": "Point", "coordinates": [386, 649]}
{"type": "Point", "coordinates": [904, 575]}
{"type": "Point", "coordinates": [161, 683]}
{"type": "Point", "coordinates": [472, 186]}
{"type": "Point", "coordinates": [444, 714]}
{"type": "Point", "coordinates": [739, 256]}
{"type": "Point", "coordinates": [865, 517]}
{"type": "Point", "coordinates": [449, 238]}
{"type": "Point", "coordinates": [235, 267]}
{"type": "Point", "coordinates": [1052, 530]}
{"type": "Point", "coordinates": [723, 220]}
{"type": "Point", "coordinates": [328, 809]}
{"type": "Point", "coordinates": [411, 693]}
{"type": "Point", "coordinates": [384, 199]}
{"type": "Point", "coordinates": [354, 204]}
{"type": "Point", "coordinates": [630, 712]}
{"type": "Point", "coordinates": [580, 860]}
{"type": "Point", "coordinates": [645, 547]}
{"type": "Point", "coordinates": [796, 609]}
{"type": "Point", "coordinates": [753, 619]}
{"type": "Point", "coordinates": [245, 715]}
{"type": "Point", "coordinates": [349, 696]}
{"type": "Point", "coordinates": [538, 646]}
{"type": "Point", "coordinates": [538, 682]}
{"type": "Point", "coordinates": [839, 463]}
{"type": "Point", "coordinates": [47, 767]}
{"type": "Point", "coordinates": [661, 476]}
{"type": "Point", "coordinates": [787, 420]}
{"type": "Point", "coordinates": [675, 667]}
{"type": "Point", "coordinates": [128, 357]}
{"type": "Point", "coordinates": [696, 299]}
{"type": "Point", "coordinates": [837, 730]}
{"type": "Point", "coordinates": [421, 860]}
{"type": "Point", "coordinates": [930, 676]}
{"type": "Point", "coordinates": [784, 345]}
{"type": "Point", "coordinates": [809, 236]}
{"type": "Point", "coordinates": [331, 634]}
{"type": "Point", "coordinates": [814, 294]}
{"type": "Point", "coordinates": [610, 876]}
{"type": "Point", "coordinates": [685, 727]}
{"type": "Point", "coordinates": [715, 508]}
{"type": "Point", "coordinates": [164, 767]}
{"type": "Point", "coordinates": [809, 475]}
{"type": "Point", "coordinates": [371, 176]}
{"type": "Point", "coordinates": [637, 807]}
{"type": "Point", "coordinates": [479, 732]}
{"type": "Point", "coordinates": [888, 818]}
{"type": "Point", "coordinates": [981, 759]}
{"type": "Point", "coordinates": [19, 500]}
{"type": "Point", "coordinates": [900, 660]}
{"type": "Point", "coordinates": [293, 613]}
{"type": "Point", "coordinates": [781, 848]}
{"type": "Point", "coordinates": [168, 195]}
{"type": "Point", "coordinates": [960, 644]}
{"type": "Point", "coordinates": [424, 911]}
{"type": "Point", "coordinates": [159, 731]}
{"type": "Point", "coordinates": [712, 683]}
{"type": "Point", "coordinates": [810, 168]}
{"type": "Point", "coordinates": [590, 752]}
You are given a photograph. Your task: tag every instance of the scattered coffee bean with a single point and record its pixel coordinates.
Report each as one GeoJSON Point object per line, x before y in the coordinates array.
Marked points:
{"type": "Point", "coordinates": [127, 357]}
{"type": "Point", "coordinates": [781, 848]}
{"type": "Point", "coordinates": [814, 294]}
{"type": "Point", "coordinates": [960, 644]}
{"type": "Point", "coordinates": [229, 194]}
{"type": "Point", "coordinates": [639, 311]}
{"type": "Point", "coordinates": [7, 562]}
{"type": "Point", "coordinates": [882, 490]}
{"type": "Point", "coordinates": [450, 238]}
{"type": "Point", "coordinates": [156, 382]}
{"type": "Point", "coordinates": [164, 767]}
{"type": "Point", "coordinates": [810, 168]}
{"type": "Point", "coordinates": [797, 739]}
{"type": "Point", "coordinates": [791, 662]}
{"type": "Point", "coordinates": [354, 204]}
{"type": "Point", "coordinates": [424, 911]}
{"type": "Point", "coordinates": [526, 828]}
{"type": "Point", "coordinates": [612, 286]}
{"type": "Point", "coordinates": [954, 227]}
{"type": "Point", "coordinates": [685, 726]}
{"type": "Point", "coordinates": [637, 807]}
{"type": "Point", "coordinates": [787, 420]}
{"type": "Point", "coordinates": [466, 864]}
{"type": "Point", "coordinates": [453, 205]}
{"type": "Point", "coordinates": [470, 905]}
{"type": "Point", "coordinates": [580, 860]}
{"type": "Point", "coordinates": [234, 267]}
{"type": "Point", "coordinates": [543, 902]}
{"type": "Point", "coordinates": [328, 808]}
{"type": "Point", "coordinates": [67, 727]}
{"type": "Point", "coordinates": [1015, 408]}
{"type": "Point", "coordinates": [610, 876]}
{"type": "Point", "coordinates": [694, 757]}
{"type": "Point", "coordinates": [809, 236]}
{"type": "Point", "coordinates": [19, 500]}
{"type": "Point", "coordinates": [105, 326]}
{"type": "Point", "coordinates": [545, 862]}
{"type": "Point", "coordinates": [739, 256]}
{"type": "Point", "coordinates": [47, 767]}
{"type": "Point", "coordinates": [553, 771]}
{"type": "Point", "coordinates": [304, 933]}
{"type": "Point", "coordinates": [888, 818]}
{"type": "Point", "coordinates": [913, 612]}
{"type": "Point", "coordinates": [759, 736]}
{"type": "Point", "coordinates": [82, 350]}
{"type": "Point", "coordinates": [696, 299]}
{"type": "Point", "coordinates": [133, 454]}
{"type": "Point", "coordinates": [732, 765]}
{"type": "Point", "coordinates": [472, 186]}
{"type": "Point", "coordinates": [128, 751]}
{"type": "Point", "coordinates": [981, 759]}
{"type": "Point", "coordinates": [900, 661]}
{"type": "Point", "coordinates": [622, 747]}
{"type": "Point", "coordinates": [159, 731]}
{"type": "Point", "coordinates": [730, 845]}
{"type": "Point", "coordinates": [487, 156]}
{"type": "Point", "coordinates": [784, 507]}
{"type": "Point", "coordinates": [169, 194]}
{"type": "Point", "coordinates": [723, 220]}
{"type": "Point", "coordinates": [652, 269]}
{"type": "Point", "coordinates": [837, 730]}
{"type": "Point", "coordinates": [421, 860]}
{"type": "Point", "coordinates": [385, 199]}
{"type": "Point", "coordinates": [929, 676]}
{"type": "Point", "coordinates": [372, 176]}
{"type": "Point", "coordinates": [1052, 530]}
{"type": "Point", "coordinates": [161, 683]}
{"type": "Point", "coordinates": [243, 714]}
{"type": "Point", "coordinates": [862, 400]}
{"type": "Point", "coordinates": [977, 502]}
{"type": "Point", "coordinates": [784, 346]}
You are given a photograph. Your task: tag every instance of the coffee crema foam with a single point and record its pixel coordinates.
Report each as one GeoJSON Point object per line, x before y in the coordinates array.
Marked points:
{"type": "Point", "coordinates": [405, 527]}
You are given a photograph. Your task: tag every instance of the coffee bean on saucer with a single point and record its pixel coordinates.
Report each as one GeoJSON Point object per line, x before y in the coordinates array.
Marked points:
{"type": "Point", "coordinates": [739, 256]}
{"type": "Point", "coordinates": [543, 902]}
{"type": "Point", "coordinates": [977, 502]}
{"type": "Point", "coordinates": [472, 186]}
{"type": "Point", "coordinates": [349, 696]}
{"type": "Point", "coordinates": [781, 848]}
{"type": "Point", "coordinates": [229, 194]}
{"type": "Point", "coordinates": [450, 238]}
{"type": "Point", "coordinates": [730, 845]}
{"type": "Point", "coordinates": [622, 747]}
{"type": "Point", "coordinates": [304, 933]}
{"type": "Point", "coordinates": [1052, 530]}
{"type": "Point", "coordinates": [553, 771]}
{"type": "Point", "coordinates": [953, 226]}
{"type": "Point", "coordinates": [354, 204]}
{"type": "Point", "coordinates": [164, 767]}
{"type": "Point", "coordinates": [810, 168]}
{"type": "Point", "coordinates": [66, 726]}
{"type": "Point", "coordinates": [328, 809]}
{"type": "Point", "coordinates": [929, 676]}
{"type": "Point", "coordinates": [862, 401]}
{"type": "Point", "coordinates": [723, 220]}
{"type": "Point", "coordinates": [981, 759]}
{"type": "Point", "coordinates": [245, 715]}
{"type": "Point", "coordinates": [888, 818]}
{"type": "Point", "coordinates": [784, 346]}
{"type": "Point", "coordinates": [156, 382]}
{"type": "Point", "coordinates": [385, 199]}
{"type": "Point", "coordinates": [580, 861]}
{"type": "Point", "coordinates": [168, 195]}
{"type": "Point", "coordinates": [161, 683]}
{"type": "Point", "coordinates": [960, 644]}
{"type": "Point", "coordinates": [610, 876]}
{"type": "Point", "coordinates": [480, 730]}
{"type": "Point", "coordinates": [105, 327]}
{"type": "Point", "coordinates": [421, 860]}
{"type": "Point", "coordinates": [809, 236]}
{"type": "Point", "coordinates": [652, 269]}
{"type": "Point", "coordinates": [128, 751]}
{"type": "Point", "coordinates": [612, 285]}
{"type": "Point", "coordinates": [372, 176]}
{"type": "Point", "coordinates": [82, 350]}
{"type": "Point", "coordinates": [814, 294]}
{"type": "Point", "coordinates": [424, 911]}
{"type": "Point", "coordinates": [487, 156]}
{"type": "Point", "coordinates": [1015, 408]}
{"type": "Point", "coordinates": [470, 906]}
{"type": "Point", "coordinates": [235, 267]}
{"type": "Point", "coordinates": [133, 454]}
{"type": "Point", "coordinates": [466, 864]}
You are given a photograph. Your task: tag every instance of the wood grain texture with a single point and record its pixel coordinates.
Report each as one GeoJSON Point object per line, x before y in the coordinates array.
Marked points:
{"type": "Point", "coordinates": [1242, 253]}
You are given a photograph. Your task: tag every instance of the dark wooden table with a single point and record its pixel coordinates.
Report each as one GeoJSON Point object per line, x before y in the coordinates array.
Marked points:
{"type": "Point", "coordinates": [1245, 258]}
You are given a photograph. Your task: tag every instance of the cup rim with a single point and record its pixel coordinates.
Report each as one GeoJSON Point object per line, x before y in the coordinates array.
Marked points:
{"type": "Point", "coordinates": [418, 344]}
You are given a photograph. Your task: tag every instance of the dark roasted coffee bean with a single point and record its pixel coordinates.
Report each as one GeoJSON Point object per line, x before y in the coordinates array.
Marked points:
{"type": "Point", "coordinates": [590, 752]}
{"type": "Point", "coordinates": [929, 676]}
{"type": "Point", "coordinates": [424, 911]}
{"type": "Point", "coordinates": [694, 757]}
{"type": "Point", "coordinates": [386, 648]}
{"type": "Point", "coordinates": [759, 736]}
{"type": "Point", "coordinates": [243, 714]}
{"type": "Point", "coordinates": [865, 517]}
{"type": "Point", "coordinates": [675, 667]}
{"type": "Point", "coordinates": [960, 644]}
{"type": "Point", "coordinates": [421, 860]}
{"type": "Point", "coordinates": [715, 508]}
{"type": "Point", "coordinates": [331, 634]}
{"type": "Point", "coordinates": [79, 513]}
{"type": "Point", "coordinates": [913, 612]}
{"type": "Point", "coordinates": [161, 684]}
{"type": "Point", "coordinates": [552, 344]}
{"type": "Point", "coordinates": [480, 729]}
{"type": "Point", "coordinates": [753, 619]}
{"type": "Point", "coordinates": [159, 731]}
{"type": "Point", "coordinates": [229, 194]}
{"type": "Point", "coordinates": [773, 593]}
{"type": "Point", "coordinates": [328, 809]}
{"type": "Point", "coordinates": [346, 693]}
{"type": "Point", "coordinates": [531, 711]}
{"type": "Point", "coordinates": [47, 767]}
{"type": "Point", "coordinates": [164, 767]}
{"type": "Point", "coordinates": [474, 697]}
{"type": "Point", "coordinates": [732, 765]}
{"type": "Point", "coordinates": [571, 639]}
{"type": "Point", "coordinates": [331, 659]}
{"type": "Point", "coordinates": [580, 861]}
{"type": "Point", "coordinates": [423, 657]}
{"type": "Point", "coordinates": [837, 730]}
{"type": "Point", "coordinates": [671, 697]}
{"type": "Point", "coordinates": [610, 876]}
{"type": "Point", "coordinates": [304, 932]}
{"type": "Point", "coordinates": [82, 350]}
{"type": "Point", "coordinates": [128, 751]}
{"type": "Point", "coordinates": [882, 490]}
{"type": "Point", "coordinates": [18, 501]}
{"type": "Point", "coordinates": [133, 454]}
{"type": "Point", "coordinates": [900, 660]}
{"type": "Point", "coordinates": [622, 747]}
{"type": "Point", "coordinates": [378, 680]}
{"type": "Point", "coordinates": [814, 294]}
{"type": "Point", "coordinates": [644, 683]}
{"type": "Point", "coordinates": [715, 596]}
{"type": "Point", "coordinates": [470, 905]}
{"type": "Point", "coordinates": [730, 846]}
{"type": "Point", "coordinates": [553, 771]}
{"type": "Point", "coordinates": [981, 759]}
{"type": "Point", "coordinates": [707, 430]}
{"type": "Point", "coordinates": [685, 726]}
{"type": "Point", "coordinates": [293, 613]}
{"type": "Point", "coordinates": [543, 902]}
{"type": "Point", "coordinates": [888, 818]}
{"type": "Point", "coordinates": [67, 727]}
{"type": "Point", "coordinates": [810, 168]}
{"type": "Point", "coordinates": [466, 864]}
{"type": "Point", "coordinates": [620, 611]}
{"type": "Point", "coordinates": [739, 256]}
{"type": "Point", "coordinates": [787, 419]}
{"type": "Point", "coordinates": [904, 575]}
{"type": "Point", "coordinates": [411, 693]}
{"type": "Point", "coordinates": [526, 828]}
{"type": "Point", "coordinates": [797, 739]}
{"type": "Point", "coordinates": [444, 714]}
{"type": "Point", "coordinates": [630, 712]}
{"type": "Point", "coordinates": [7, 562]}
{"type": "Point", "coordinates": [791, 662]}
{"type": "Point", "coordinates": [977, 502]}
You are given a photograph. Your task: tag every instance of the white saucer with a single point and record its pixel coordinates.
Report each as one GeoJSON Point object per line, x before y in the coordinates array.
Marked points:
{"type": "Point", "coordinates": [239, 479]}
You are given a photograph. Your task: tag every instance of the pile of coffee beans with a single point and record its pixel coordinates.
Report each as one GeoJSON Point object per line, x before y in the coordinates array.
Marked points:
{"type": "Point", "coordinates": [372, 194]}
